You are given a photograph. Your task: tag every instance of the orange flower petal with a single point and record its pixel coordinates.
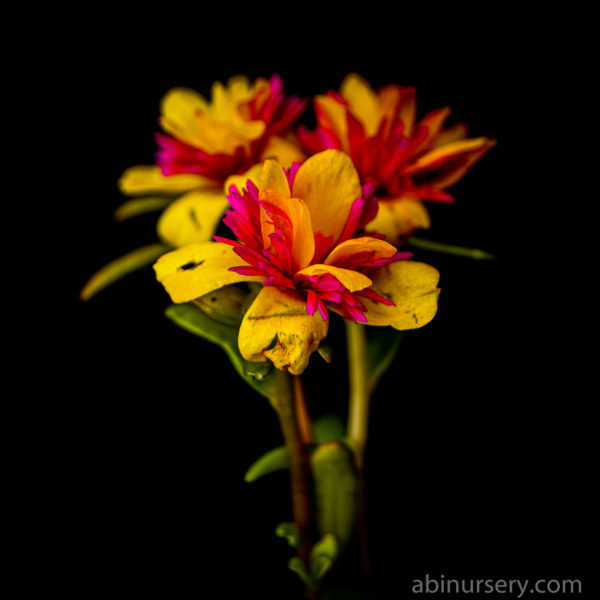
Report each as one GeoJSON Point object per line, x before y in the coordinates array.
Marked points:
{"type": "Point", "coordinates": [329, 184]}
{"type": "Point", "coordinates": [332, 115]}
{"type": "Point", "coordinates": [363, 102]}
{"type": "Point", "coordinates": [379, 249]}
{"type": "Point", "coordinates": [272, 176]}
{"type": "Point", "coordinates": [453, 160]}
{"type": "Point", "coordinates": [303, 239]}
{"type": "Point", "coordinates": [351, 280]}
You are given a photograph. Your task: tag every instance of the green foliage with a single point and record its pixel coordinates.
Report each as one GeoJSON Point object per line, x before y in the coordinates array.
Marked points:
{"type": "Point", "coordinates": [327, 428]}
{"type": "Point", "coordinates": [290, 532]}
{"type": "Point", "coordinates": [336, 490]}
{"type": "Point", "coordinates": [323, 555]}
{"type": "Point", "coordinates": [269, 383]}
{"type": "Point", "coordinates": [224, 305]}
{"type": "Point", "coordinates": [118, 268]}
{"type": "Point", "coordinates": [432, 246]}
{"type": "Point", "coordinates": [140, 206]}
{"type": "Point", "coordinates": [273, 460]}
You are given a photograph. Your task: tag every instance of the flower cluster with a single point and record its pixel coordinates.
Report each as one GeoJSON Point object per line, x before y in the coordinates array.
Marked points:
{"type": "Point", "coordinates": [297, 236]}
{"type": "Point", "coordinates": [316, 217]}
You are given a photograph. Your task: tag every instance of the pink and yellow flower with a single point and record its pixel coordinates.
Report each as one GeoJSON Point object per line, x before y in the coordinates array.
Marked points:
{"type": "Point", "coordinates": [205, 142]}
{"type": "Point", "coordinates": [407, 161]}
{"type": "Point", "coordinates": [295, 236]}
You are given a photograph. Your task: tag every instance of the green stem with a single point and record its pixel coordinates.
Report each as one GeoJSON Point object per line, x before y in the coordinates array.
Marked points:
{"type": "Point", "coordinates": [299, 468]}
{"type": "Point", "coordinates": [358, 411]}
{"type": "Point", "coordinates": [450, 249]}
{"type": "Point", "coordinates": [358, 422]}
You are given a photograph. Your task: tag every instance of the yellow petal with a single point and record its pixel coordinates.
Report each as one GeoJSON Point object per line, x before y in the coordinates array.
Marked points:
{"type": "Point", "coordinates": [363, 102]}
{"type": "Point", "coordinates": [388, 97]}
{"type": "Point", "coordinates": [144, 179]}
{"type": "Point", "coordinates": [451, 134]}
{"type": "Point", "coordinates": [180, 108]}
{"type": "Point", "coordinates": [471, 157]}
{"type": "Point", "coordinates": [400, 217]}
{"type": "Point", "coordinates": [197, 269]}
{"type": "Point", "coordinates": [329, 184]}
{"type": "Point", "coordinates": [224, 110]}
{"type": "Point", "coordinates": [449, 151]}
{"type": "Point", "coordinates": [303, 239]}
{"type": "Point", "coordinates": [412, 286]}
{"type": "Point", "coordinates": [332, 114]}
{"type": "Point", "coordinates": [378, 248]}
{"type": "Point", "coordinates": [285, 151]}
{"type": "Point", "coordinates": [435, 120]}
{"type": "Point", "coordinates": [273, 177]}
{"type": "Point", "coordinates": [240, 89]}
{"type": "Point", "coordinates": [278, 320]}
{"type": "Point", "coordinates": [408, 111]}
{"type": "Point", "coordinates": [351, 280]}
{"type": "Point", "coordinates": [192, 218]}
{"type": "Point", "coordinates": [253, 174]}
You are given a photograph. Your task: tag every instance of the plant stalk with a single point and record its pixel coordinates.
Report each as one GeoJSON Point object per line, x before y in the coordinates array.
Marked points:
{"type": "Point", "coordinates": [285, 406]}
{"type": "Point", "coordinates": [358, 410]}
{"type": "Point", "coordinates": [358, 422]}
{"type": "Point", "coordinates": [301, 409]}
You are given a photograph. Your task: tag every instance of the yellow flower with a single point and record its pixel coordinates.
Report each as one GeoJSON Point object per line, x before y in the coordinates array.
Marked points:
{"type": "Point", "coordinates": [207, 142]}
{"type": "Point", "coordinates": [295, 237]}
{"type": "Point", "coordinates": [406, 161]}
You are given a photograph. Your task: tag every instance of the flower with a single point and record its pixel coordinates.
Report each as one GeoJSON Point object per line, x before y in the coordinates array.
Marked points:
{"type": "Point", "coordinates": [295, 236]}
{"type": "Point", "coordinates": [204, 143]}
{"type": "Point", "coordinates": [407, 161]}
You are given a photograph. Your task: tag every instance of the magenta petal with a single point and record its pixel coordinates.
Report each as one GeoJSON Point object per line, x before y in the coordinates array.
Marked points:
{"type": "Point", "coordinates": [322, 309]}
{"type": "Point", "coordinates": [311, 302]}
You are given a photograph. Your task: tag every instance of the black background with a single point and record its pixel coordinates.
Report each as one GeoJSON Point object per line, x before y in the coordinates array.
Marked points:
{"type": "Point", "coordinates": [480, 460]}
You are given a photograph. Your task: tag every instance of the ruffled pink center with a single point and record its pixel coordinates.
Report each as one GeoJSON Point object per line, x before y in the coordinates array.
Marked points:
{"type": "Point", "coordinates": [275, 263]}
{"type": "Point", "coordinates": [384, 158]}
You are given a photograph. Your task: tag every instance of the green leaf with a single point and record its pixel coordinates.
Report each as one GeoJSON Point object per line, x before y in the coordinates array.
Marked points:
{"type": "Point", "coordinates": [224, 304]}
{"type": "Point", "coordinates": [120, 267]}
{"type": "Point", "coordinates": [475, 253]}
{"type": "Point", "coordinates": [193, 319]}
{"type": "Point", "coordinates": [336, 490]}
{"type": "Point", "coordinates": [297, 566]}
{"type": "Point", "coordinates": [382, 346]}
{"type": "Point", "coordinates": [326, 352]}
{"type": "Point", "coordinates": [323, 555]}
{"type": "Point", "coordinates": [328, 428]}
{"type": "Point", "coordinates": [140, 206]}
{"type": "Point", "coordinates": [273, 460]}
{"type": "Point", "coordinates": [290, 532]}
